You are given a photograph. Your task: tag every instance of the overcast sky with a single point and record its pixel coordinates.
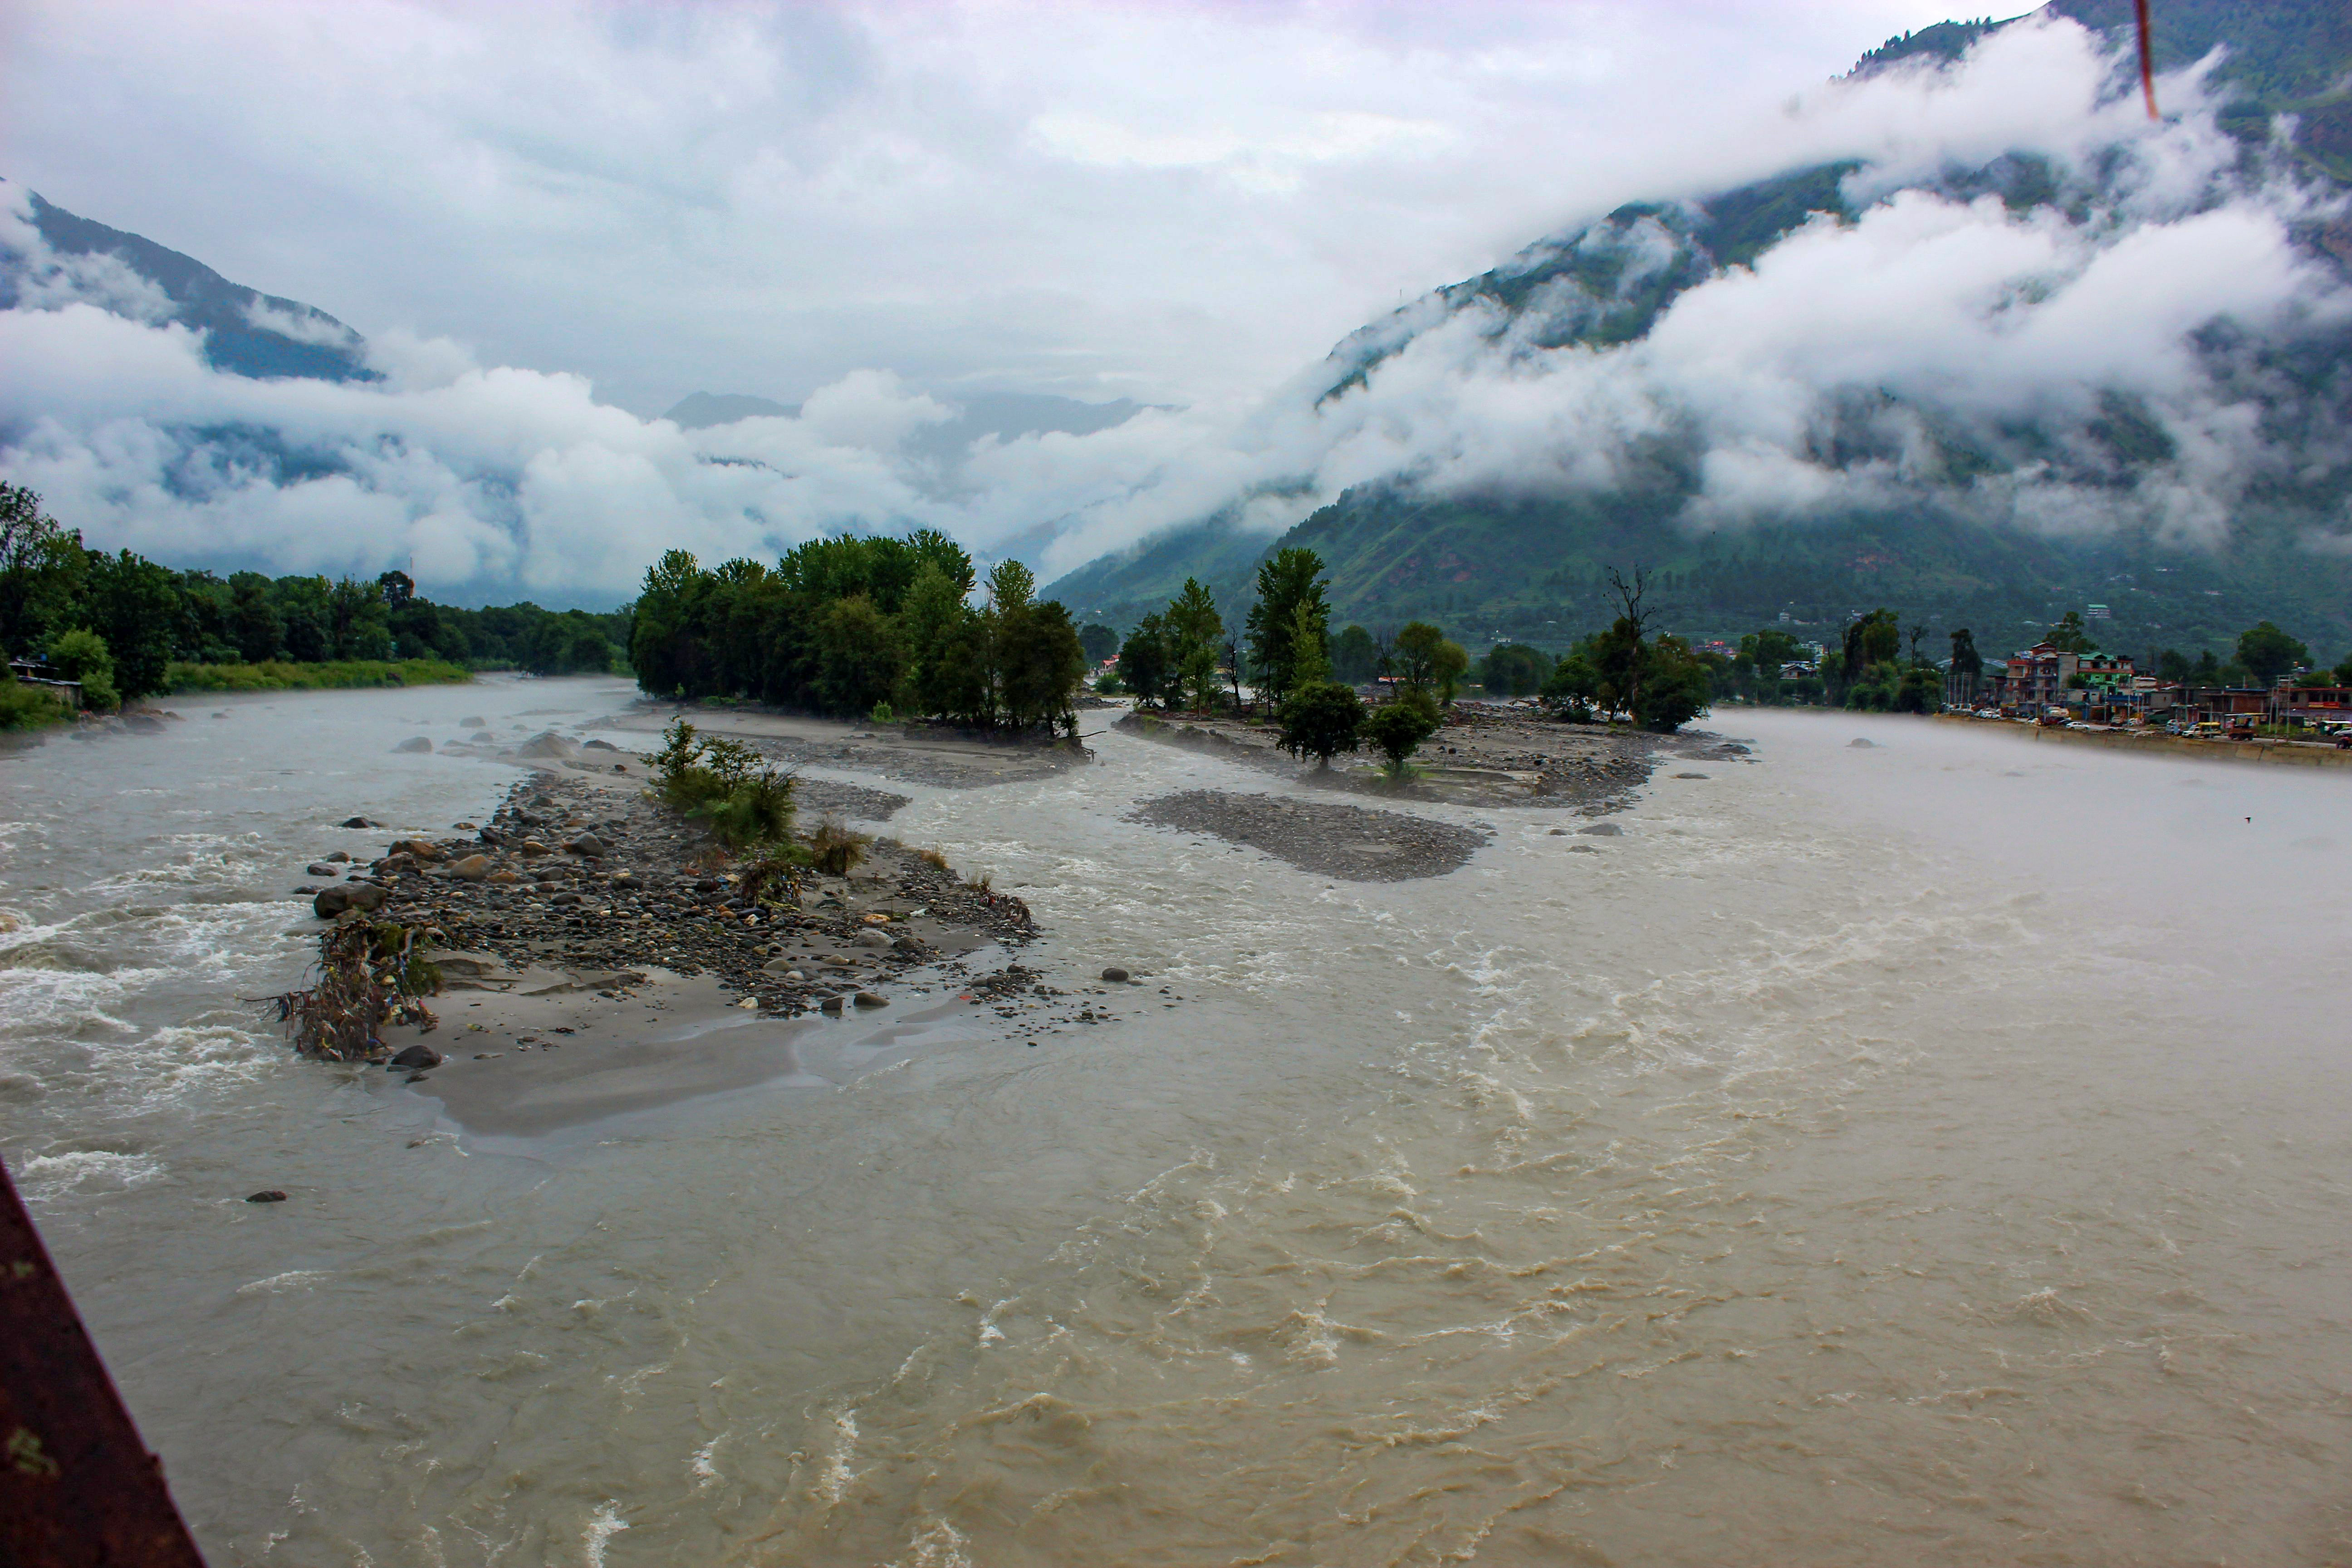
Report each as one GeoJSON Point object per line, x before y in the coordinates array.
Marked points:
{"type": "Point", "coordinates": [1178, 203]}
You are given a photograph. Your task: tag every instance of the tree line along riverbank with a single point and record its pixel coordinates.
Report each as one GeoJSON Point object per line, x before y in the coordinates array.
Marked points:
{"type": "Point", "coordinates": [118, 627]}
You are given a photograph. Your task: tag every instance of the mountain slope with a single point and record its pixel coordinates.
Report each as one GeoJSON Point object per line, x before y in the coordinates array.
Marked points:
{"type": "Point", "coordinates": [246, 331]}
{"type": "Point", "coordinates": [2192, 489]}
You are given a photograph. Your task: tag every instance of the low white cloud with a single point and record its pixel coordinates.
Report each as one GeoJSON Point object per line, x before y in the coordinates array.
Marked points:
{"type": "Point", "coordinates": [302, 326]}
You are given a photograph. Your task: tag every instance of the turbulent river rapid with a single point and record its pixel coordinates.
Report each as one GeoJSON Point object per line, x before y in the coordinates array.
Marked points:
{"type": "Point", "coordinates": [1927, 1153]}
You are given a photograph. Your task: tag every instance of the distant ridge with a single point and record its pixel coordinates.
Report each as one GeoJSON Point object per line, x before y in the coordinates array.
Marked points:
{"type": "Point", "coordinates": [246, 331]}
{"type": "Point", "coordinates": [704, 410]}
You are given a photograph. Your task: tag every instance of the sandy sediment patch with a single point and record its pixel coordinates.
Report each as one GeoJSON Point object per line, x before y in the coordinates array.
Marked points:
{"type": "Point", "coordinates": [1481, 757]}
{"type": "Point", "coordinates": [933, 755]}
{"type": "Point", "coordinates": [1332, 840]}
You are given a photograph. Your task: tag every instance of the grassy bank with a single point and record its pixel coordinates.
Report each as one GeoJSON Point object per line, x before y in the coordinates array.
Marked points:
{"type": "Point", "coordinates": [279, 676]}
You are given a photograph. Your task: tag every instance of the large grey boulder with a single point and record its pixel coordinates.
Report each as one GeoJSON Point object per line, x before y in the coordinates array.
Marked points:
{"type": "Point", "coordinates": [414, 743]}
{"type": "Point", "coordinates": [365, 896]}
{"type": "Point", "coordinates": [547, 744]}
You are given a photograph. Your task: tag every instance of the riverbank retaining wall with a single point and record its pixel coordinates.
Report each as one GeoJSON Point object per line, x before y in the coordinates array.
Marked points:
{"type": "Point", "coordinates": [2284, 754]}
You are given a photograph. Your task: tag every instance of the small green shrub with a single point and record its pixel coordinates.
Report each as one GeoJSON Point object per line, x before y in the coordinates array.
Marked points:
{"type": "Point", "coordinates": [834, 849]}
{"type": "Point", "coordinates": [883, 714]}
{"type": "Point", "coordinates": [746, 800]}
{"type": "Point", "coordinates": [1397, 729]}
{"type": "Point", "coordinates": [98, 693]}
{"type": "Point", "coordinates": [24, 707]}
{"type": "Point", "coordinates": [78, 654]}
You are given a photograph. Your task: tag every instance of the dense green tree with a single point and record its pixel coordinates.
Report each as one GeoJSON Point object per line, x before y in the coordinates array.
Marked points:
{"type": "Point", "coordinates": [43, 569]}
{"type": "Point", "coordinates": [1041, 665]}
{"type": "Point", "coordinates": [360, 618]}
{"type": "Point", "coordinates": [861, 655]}
{"type": "Point", "coordinates": [2268, 653]}
{"type": "Point", "coordinates": [1290, 603]}
{"type": "Point", "coordinates": [1100, 642]}
{"type": "Point", "coordinates": [938, 625]}
{"type": "Point", "coordinates": [1574, 687]}
{"type": "Point", "coordinates": [82, 655]}
{"type": "Point", "coordinates": [1310, 659]}
{"type": "Point", "coordinates": [1145, 666]}
{"type": "Point", "coordinates": [2069, 636]}
{"type": "Point", "coordinates": [1515, 670]}
{"type": "Point", "coordinates": [1453, 663]}
{"type": "Point", "coordinates": [1355, 656]}
{"type": "Point", "coordinates": [1673, 687]}
{"type": "Point", "coordinates": [1416, 652]}
{"type": "Point", "coordinates": [1319, 718]}
{"type": "Point", "coordinates": [133, 603]}
{"type": "Point", "coordinates": [1195, 633]}
{"type": "Point", "coordinates": [1397, 728]}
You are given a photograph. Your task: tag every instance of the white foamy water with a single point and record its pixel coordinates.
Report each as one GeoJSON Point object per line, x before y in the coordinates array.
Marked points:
{"type": "Point", "coordinates": [1925, 1153]}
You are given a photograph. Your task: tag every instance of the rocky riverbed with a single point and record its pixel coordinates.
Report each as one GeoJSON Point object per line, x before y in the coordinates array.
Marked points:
{"type": "Point", "coordinates": [573, 877]}
{"type": "Point", "coordinates": [1327, 839]}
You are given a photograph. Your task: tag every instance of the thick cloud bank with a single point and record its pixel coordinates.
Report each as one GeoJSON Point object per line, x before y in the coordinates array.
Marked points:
{"type": "Point", "coordinates": [1849, 364]}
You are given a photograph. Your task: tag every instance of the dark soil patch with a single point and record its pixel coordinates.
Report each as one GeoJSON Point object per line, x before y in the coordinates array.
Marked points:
{"type": "Point", "coordinates": [1344, 841]}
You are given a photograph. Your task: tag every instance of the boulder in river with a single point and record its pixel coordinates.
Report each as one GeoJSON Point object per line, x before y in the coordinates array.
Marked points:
{"type": "Point", "coordinates": [416, 1057]}
{"type": "Point", "coordinates": [420, 849]}
{"type": "Point", "coordinates": [1863, 745]}
{"type": "Point", "coordinates": [1115, 975]}
{"type": "Point", "coordinates": [267, 1195]}
{"type": "Point", "coordinates": [1603, 830]}
{"type": "Point", "coordinates": [358, 822]}
{"type": "Point", "coordinates": [547, 744]}
{"type": "Point", "coordinates": [414, 743]}
{"type": "Point", "coordinates": [872, 999]}
{"type": "Point", "coordinates": [319, 868]}
{"type": "Point", "coordinates": [871, 939]}
{"type": "Point", "coordinates": [472, 869]}
{"type": "Point", "coordinates": [475, 722]}
{"type": "Point", "coordinates": [598, 746]}
{"type": "Point", "coordinates": [142, 723]}
{"type": "Point", "coordinates": [533, 846]}
{"type": "Point", "coordinates": [331, 901]}
{"type": "Point", "coordinates": [587, 844]}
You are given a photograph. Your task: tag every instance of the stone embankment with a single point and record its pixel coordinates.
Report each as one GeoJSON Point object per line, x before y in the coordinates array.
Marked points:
{"type": "Point", "coordinates": [2282, 754]}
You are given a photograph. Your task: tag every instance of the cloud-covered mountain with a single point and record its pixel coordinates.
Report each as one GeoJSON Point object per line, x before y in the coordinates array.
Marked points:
{"type": "Point", "coordinates": [2030, 350]}
{"type": "Point", "coordinates": [1990, 339]}
{"type": "Point", "coordinates": [156, 405]}
{"type": "Point", "coordinates": [50, 257]}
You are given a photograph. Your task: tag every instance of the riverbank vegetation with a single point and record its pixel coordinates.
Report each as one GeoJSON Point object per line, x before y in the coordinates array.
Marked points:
{"type": "Point", "coordinates": [156, 623]}
{"type": "Point", "coordinates": [861, 625]}
{"type": "Point", "coordinates": [278, 674]}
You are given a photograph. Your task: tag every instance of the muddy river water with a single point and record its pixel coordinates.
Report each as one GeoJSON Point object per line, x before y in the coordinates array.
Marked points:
{"type": "Point", "coordinates": [1930, 1152]}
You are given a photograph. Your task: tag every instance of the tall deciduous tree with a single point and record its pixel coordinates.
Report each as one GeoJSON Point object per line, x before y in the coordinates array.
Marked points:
{"type": "Point", "coordinates": [1195, 631]}
{"type": "Point", "coordinates": [1290, 603]}
{"type": "Point", "coordinates": [1355, 656]}
{"type": "Point", "coordinates": [1145, 666]}
{"type": "Point", "coordinates": [2268, 653]}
